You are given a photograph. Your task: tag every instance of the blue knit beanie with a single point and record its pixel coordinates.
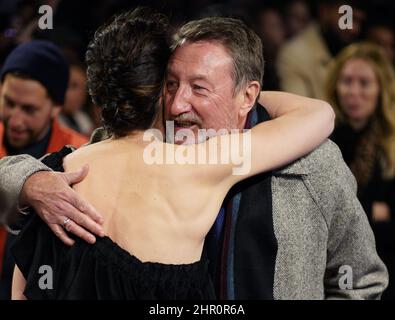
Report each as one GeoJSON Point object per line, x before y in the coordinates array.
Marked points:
{"type": "Point", "coordinates": [42, 61]}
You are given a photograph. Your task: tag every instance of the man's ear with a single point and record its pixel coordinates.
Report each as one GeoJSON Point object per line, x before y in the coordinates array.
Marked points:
{"type": "Point", "coordinates": [250, 95]}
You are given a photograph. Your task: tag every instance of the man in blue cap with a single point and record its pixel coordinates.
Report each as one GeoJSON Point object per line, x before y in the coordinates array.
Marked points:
{"type": "Point", "coordinates": [34, 79]}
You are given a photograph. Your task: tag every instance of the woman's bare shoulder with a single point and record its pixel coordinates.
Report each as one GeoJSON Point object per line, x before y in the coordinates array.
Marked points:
{"type": "Point", "coordinates": [84, 155]}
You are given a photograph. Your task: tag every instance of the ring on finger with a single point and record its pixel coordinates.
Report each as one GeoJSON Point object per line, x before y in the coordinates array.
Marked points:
{"type": "Point", "coordinates": [65, 222]}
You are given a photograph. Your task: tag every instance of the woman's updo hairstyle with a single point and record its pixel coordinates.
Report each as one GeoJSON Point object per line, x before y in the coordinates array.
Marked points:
{"type": "Point", "coordinates": [126, 63]}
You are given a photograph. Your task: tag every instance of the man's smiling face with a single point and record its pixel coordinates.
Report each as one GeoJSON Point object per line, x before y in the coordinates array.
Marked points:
{"type": "Point", "coordinates": [199, 88]}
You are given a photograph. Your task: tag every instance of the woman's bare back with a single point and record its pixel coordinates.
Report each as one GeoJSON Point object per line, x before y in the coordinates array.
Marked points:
{"type": "Point", "coordinates": [159, 213]}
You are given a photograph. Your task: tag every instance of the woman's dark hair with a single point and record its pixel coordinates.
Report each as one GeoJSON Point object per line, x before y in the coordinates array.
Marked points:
{"type": "Point", "coordinates": [126, 63]}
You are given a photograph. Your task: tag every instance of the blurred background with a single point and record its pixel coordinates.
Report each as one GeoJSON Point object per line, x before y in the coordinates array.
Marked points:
{"type": "Point", "coordinates": [278, 23]}
{"type": "Point", "coordinates": [306, 52]}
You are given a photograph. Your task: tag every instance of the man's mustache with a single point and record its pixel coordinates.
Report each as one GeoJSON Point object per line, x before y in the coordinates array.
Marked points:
{"type": "Point", "coordinates": [188, 117]}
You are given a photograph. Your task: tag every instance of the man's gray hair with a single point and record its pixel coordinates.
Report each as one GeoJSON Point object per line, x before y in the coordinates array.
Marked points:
{"type": "Point", "coordinates": [243, 45]}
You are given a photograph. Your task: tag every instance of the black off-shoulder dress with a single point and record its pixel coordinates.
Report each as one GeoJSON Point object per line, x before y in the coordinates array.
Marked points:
{"type": "Point", "coordinates": [99, 271]}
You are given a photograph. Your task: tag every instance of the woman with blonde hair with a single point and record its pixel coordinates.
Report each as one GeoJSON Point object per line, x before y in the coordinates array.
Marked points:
{"type": "Point", "coordinates": [361, 89]}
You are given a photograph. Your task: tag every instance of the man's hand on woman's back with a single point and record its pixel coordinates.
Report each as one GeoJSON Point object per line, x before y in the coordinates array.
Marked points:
{"type": "Point", "coordinates": [61, 208]}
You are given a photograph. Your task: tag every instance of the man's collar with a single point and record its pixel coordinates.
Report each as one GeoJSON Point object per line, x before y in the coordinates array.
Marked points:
{"type": "Point", "coordinates": [255, 117]}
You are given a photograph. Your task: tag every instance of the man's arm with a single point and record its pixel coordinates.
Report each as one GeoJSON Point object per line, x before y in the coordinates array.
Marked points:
{"type": "Point", "coordinates": [13, 173]}
{"type": "Point", "coordinates": [354, 269]}
{"type": "Point", "coordinates": [27, 181]}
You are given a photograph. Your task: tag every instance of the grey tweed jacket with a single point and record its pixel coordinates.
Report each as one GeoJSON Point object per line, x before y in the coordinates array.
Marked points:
{"type": "Point", "coordinates": [326, 248]}
{"type": "Point", "coordinates": [322, 232]}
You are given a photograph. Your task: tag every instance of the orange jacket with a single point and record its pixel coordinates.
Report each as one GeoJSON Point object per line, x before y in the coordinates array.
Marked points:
{"type": "Point", "coordinates": [60, 137]}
